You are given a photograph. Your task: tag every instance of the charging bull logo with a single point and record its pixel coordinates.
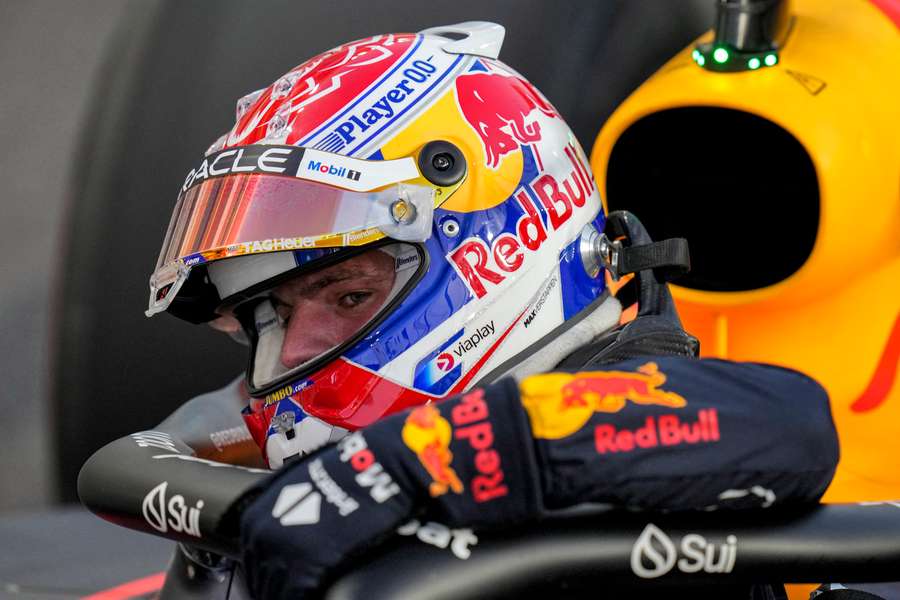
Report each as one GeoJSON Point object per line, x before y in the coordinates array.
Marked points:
{"type": "Point", "coordinates": [428, 434]}
{"type": "Point", "coordinates": [318, 88]}
{"type": "Point", "coordinates": [559, 404]}
{"type": "Point", "coordinates": [499, 108]}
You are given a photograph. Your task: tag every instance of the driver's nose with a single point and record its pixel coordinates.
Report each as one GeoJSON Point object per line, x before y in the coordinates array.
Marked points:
{"type": "Point", "coordinates": [311, 332]}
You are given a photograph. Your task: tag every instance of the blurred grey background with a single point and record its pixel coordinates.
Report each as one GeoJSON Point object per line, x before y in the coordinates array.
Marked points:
{"type": "Point", "coordinates": [50, 57]}
{"type": "Point", "coordinates": [104, 104]}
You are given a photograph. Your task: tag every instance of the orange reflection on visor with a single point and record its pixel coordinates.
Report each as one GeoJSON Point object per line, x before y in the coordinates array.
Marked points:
{"type": "Point", "coordinates": [242, 208]}
{"type": "Point", "coordinates": [249, 213]}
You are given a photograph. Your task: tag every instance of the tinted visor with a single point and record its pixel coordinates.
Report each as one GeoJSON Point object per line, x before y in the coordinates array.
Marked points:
{"type": "Point", "coordinates": [308, 319]}
{"type": "Point", "coordinates": [252, 213]}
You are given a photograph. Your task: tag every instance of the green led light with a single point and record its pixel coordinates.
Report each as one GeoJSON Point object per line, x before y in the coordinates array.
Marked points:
{"type": "Point", "coordinates": [720, 55]}
{"type": "Point", "coordinates": [701, 60]}
{"type": "Point", "coordinates": [695, 55]}
{"type": "Point", "coordinates": [753, 63]}
{"type": "Point", "coordinates": [771, 59]}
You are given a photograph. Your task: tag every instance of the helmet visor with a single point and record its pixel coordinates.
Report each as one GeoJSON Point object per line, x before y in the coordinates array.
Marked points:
{"type": "Point", "coordinates": [308, 319]}
{"type": "Point", "coordinates": [249, 214]}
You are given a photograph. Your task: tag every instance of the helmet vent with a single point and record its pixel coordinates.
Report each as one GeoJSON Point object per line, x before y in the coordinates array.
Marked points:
{"type": "Point", "coordinates": [452, 35]}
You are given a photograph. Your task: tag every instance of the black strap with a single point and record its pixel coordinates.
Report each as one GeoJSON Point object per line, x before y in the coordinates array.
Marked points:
{"type": "Point", "coordinates": [668, 258]}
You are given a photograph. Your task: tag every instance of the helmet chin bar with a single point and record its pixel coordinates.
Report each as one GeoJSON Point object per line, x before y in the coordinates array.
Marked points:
{"type": "Point", "coordinates": [294, 439]}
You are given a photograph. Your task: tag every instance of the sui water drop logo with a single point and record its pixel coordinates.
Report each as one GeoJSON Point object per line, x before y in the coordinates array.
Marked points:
{"type": "Point", "coordinates": [660, 556]}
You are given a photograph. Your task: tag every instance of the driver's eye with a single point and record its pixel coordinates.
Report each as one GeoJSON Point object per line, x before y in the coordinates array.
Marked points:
{"type": "Point", "coordinates": [281, 309]}
{"type": "Point", "coordinates": [353, 299]}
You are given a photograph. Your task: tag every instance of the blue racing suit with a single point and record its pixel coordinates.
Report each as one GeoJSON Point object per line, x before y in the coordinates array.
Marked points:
{"type": "Point", "coordinates": [653, 432]}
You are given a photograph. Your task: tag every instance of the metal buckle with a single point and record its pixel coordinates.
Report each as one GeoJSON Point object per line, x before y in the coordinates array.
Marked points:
{"type": "Point", "coordinates": [609, 251]}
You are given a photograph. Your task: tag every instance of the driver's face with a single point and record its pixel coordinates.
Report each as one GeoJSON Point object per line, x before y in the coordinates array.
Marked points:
{"type": "Point", "coordinates": [324, 308]}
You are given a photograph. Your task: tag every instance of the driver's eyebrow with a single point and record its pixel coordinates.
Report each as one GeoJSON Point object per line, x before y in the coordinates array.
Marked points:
{"type": "Point", "coordinates": [328, 279]}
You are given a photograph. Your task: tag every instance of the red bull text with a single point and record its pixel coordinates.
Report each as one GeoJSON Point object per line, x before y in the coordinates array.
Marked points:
{"type": "Point", "coordinates": [470, 417]}
{"type": "Point", "coordinates": [480, 265]}
{"type": "Point", "coordinates": [665, 430]}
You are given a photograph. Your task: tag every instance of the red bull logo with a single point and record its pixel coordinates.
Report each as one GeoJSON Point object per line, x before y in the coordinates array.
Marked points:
{"type": "Point", "coordinates": [608, 391]}
{"type": "Point", "coordinates": [559, 404]}
{"type": "Point", "coordinates": [482, 266]}
{"type": "Point", "coordinates": [500, 109]}
{"type": "Point", "coordinates": [428, 435]}
{"type": "Point", "coordinates": [319, 88]}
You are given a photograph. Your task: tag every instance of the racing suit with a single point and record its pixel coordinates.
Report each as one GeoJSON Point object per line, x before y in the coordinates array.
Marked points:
{"type": "Point", "coordinates": [633, 419]}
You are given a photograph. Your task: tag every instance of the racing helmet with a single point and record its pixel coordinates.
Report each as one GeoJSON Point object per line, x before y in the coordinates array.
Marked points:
{"type": "Point", "coordinates": [390, 222]}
